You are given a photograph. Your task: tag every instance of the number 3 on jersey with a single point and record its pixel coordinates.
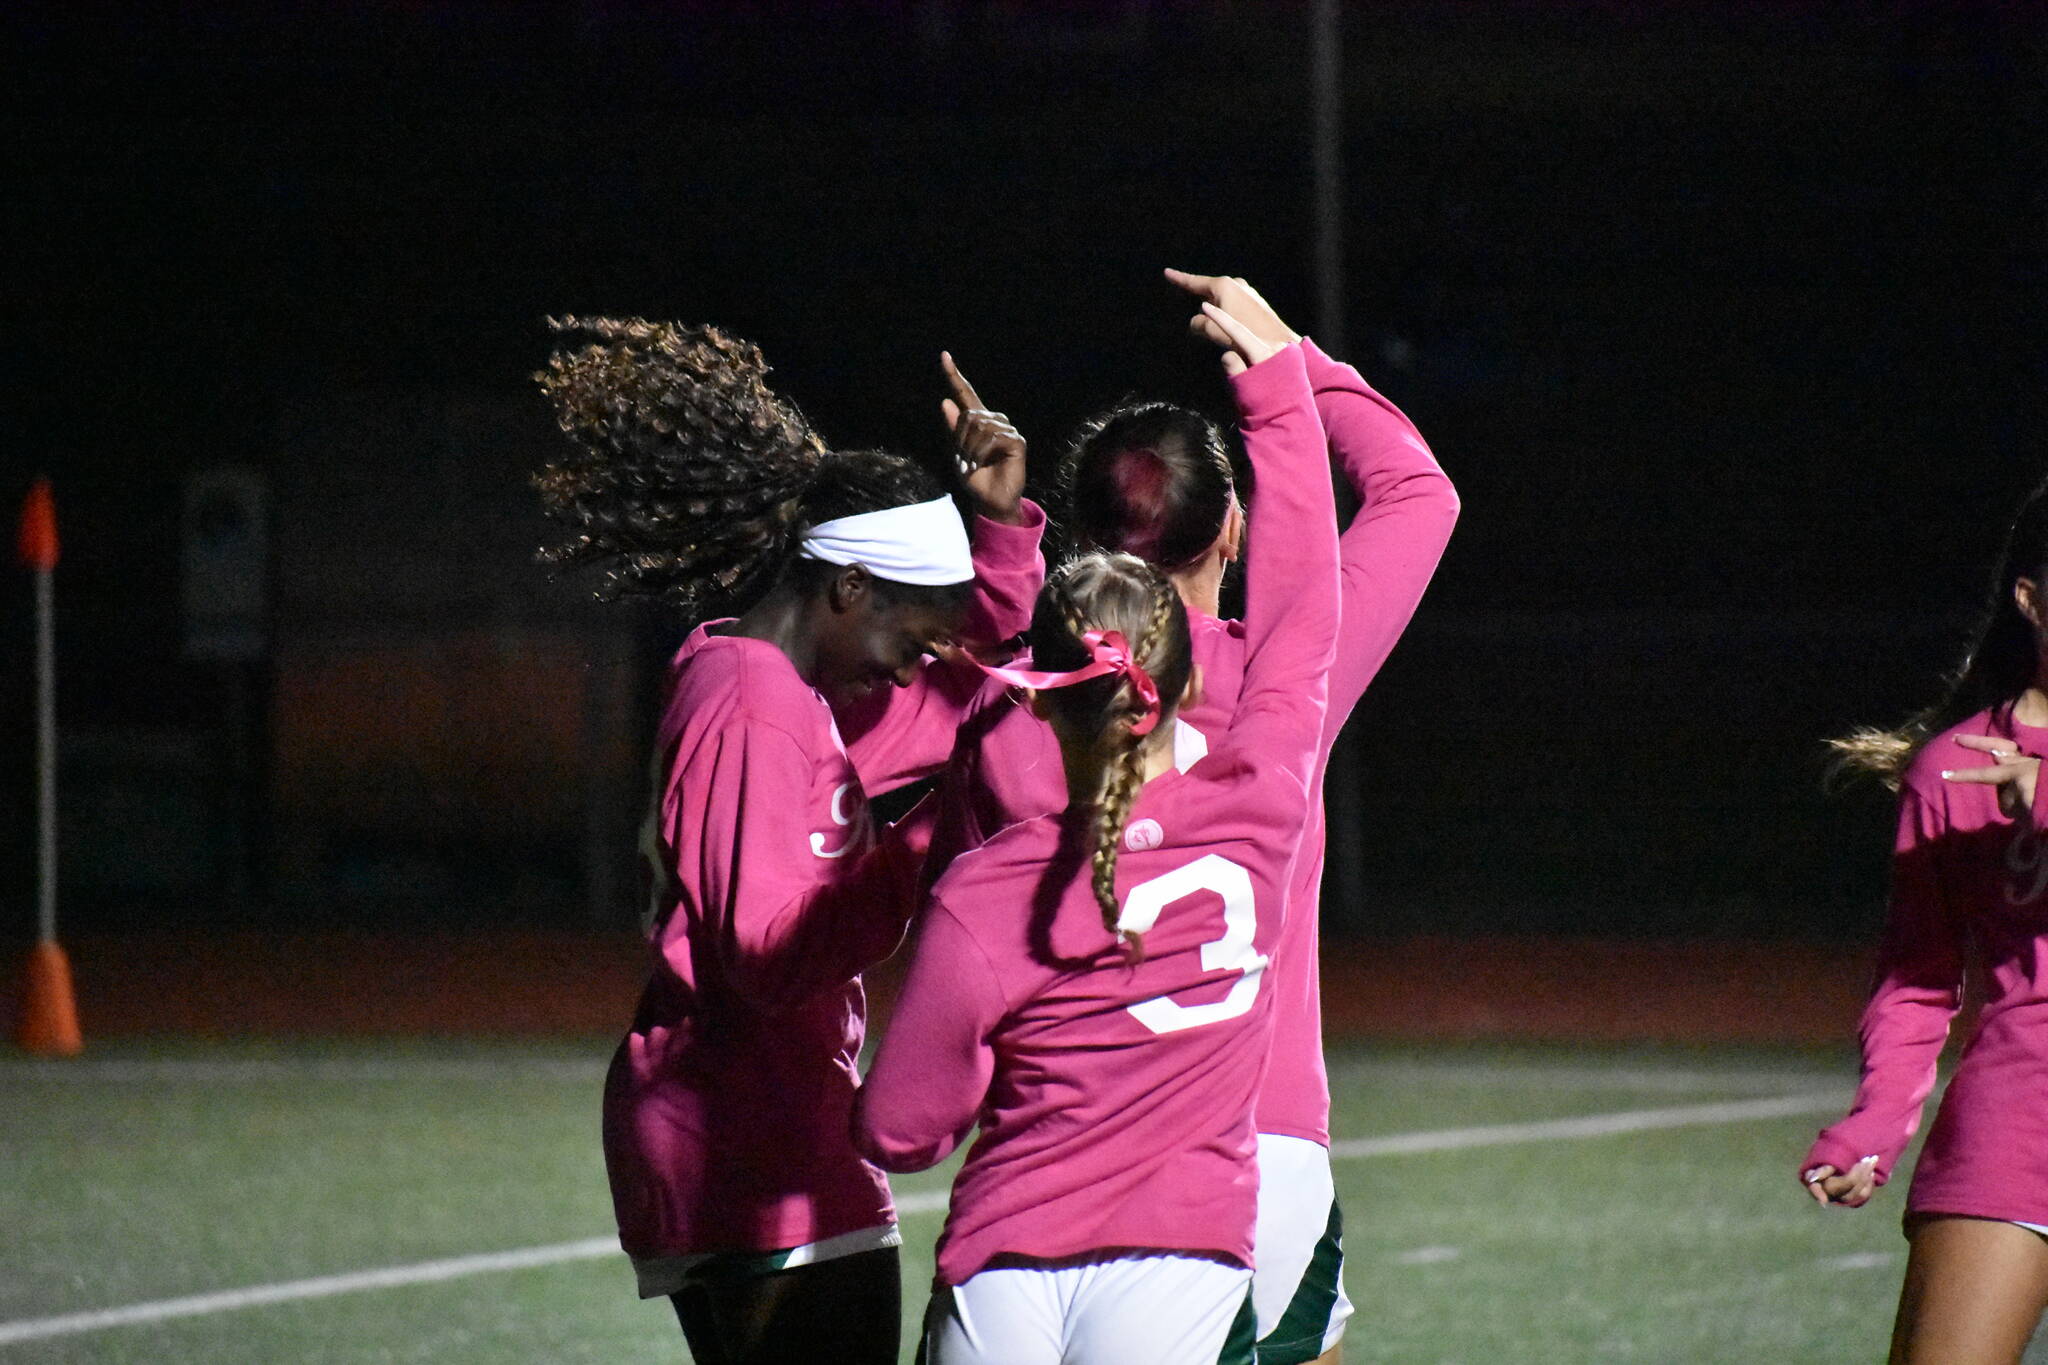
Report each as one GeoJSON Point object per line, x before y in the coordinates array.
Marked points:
{"type": "Point", "coordinates": [1233, 952]}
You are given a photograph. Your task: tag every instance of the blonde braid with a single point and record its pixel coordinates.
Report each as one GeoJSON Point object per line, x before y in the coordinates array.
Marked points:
{"type": "Point", "coordinates": [1126, 770]}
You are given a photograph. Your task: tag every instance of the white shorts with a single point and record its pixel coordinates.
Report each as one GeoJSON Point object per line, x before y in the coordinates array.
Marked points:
{"type": "Point", "coordinates": [1127, 1310]}
{"type": "Point", "coordinates": [1298, 1288]}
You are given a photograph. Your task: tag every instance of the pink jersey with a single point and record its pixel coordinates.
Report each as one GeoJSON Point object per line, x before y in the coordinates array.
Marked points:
{"type": "Point", "coordinates": [1115, 1101]}
{"type": "Point", "coordinates": [1963, 873]}
{"type": "Point", "coordinates": [1007, 767]}
{"type": "Point", "coordinates": [726, 1107]}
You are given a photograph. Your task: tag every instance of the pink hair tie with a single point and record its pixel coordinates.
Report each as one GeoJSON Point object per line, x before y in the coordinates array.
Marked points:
{"type": "Point", "coordinates": [1111, 654]}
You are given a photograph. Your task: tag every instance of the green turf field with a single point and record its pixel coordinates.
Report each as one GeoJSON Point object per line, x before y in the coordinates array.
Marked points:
{"type": "Point", "coordinates": [1501, 1233]}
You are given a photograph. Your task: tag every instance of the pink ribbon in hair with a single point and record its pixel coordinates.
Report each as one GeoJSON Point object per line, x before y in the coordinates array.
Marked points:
{"type": "Point", "coordinates": [1112, 654]}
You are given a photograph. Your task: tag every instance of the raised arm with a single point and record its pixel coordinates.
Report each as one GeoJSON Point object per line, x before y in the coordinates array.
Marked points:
{"type": "Point", "coordinates": [1407, 506]}
{"type": "Point", "coordinates": [1008, 570]}
{"type": "Point", "coordinates": [1919, 986]}
{"type": "Point", "coordinates": [905, 734]}
{"type": "Point", "coordinates": [787, 910]}
{"type": "Point", "coordinates": [931, 1072]}
{"type": "Point", "coordinates": [1390, 550]}
{"type": "Point", "coordinates": [1291, 604]}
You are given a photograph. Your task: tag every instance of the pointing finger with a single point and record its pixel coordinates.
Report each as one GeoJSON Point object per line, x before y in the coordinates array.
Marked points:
{"type": "Point", "coordinates": [1202, 286]}
{"type": "Point", "coordinates": [962, 390]}
{"type": "Point", "coordinates": [1200, 325]}
{"type": "Point", "coordinates": [1241, 337]}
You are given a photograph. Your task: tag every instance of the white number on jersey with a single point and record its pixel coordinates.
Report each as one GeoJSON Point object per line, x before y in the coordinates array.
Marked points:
{"type": "Point", "coordinates": [839, 817]}
{"type": "Point", "coordinates": [1232, 952]}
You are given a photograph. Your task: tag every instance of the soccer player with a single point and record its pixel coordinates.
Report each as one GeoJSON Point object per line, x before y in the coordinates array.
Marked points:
{"type": "Point", "coordinates": [1090, 986]}
{"type": "Point", "coordinates": [738, 1193]}
{"type": "Point", "coordinates": [1154, 480]}
{"type": "Point", "coordinates": [1970, 868]}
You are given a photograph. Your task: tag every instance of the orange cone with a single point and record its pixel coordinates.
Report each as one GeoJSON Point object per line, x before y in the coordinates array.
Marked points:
{"type": "Point", "coordinates": [49, 1011]}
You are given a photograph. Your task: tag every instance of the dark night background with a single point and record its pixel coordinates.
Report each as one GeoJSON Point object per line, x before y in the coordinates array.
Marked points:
{"type": "Point", "coordinates": [1724, 318]}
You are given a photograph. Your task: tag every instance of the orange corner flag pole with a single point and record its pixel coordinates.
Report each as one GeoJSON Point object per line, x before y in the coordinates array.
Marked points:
{"type": "Point", "coordinates": [49, 1008]}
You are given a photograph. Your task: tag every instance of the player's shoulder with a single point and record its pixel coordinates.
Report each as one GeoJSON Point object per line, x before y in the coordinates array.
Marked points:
{"type": "Point", "coordinates": [1015, 850]}
{"type": "Point", "coordinates": [1232, 766]}
{"type": "Point", "coordinates": [989, 891]}
{"type": "Point", "coordinates": [1000, 721]}
{"type": "Point", "coordinates": [1210, 635]}
{"type": "Point", "coordinates": [1923, 776]}
{"type": "Point", "coordinates": [734, 680]}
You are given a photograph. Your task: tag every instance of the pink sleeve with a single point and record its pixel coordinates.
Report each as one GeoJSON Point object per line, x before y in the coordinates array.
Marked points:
{"type": "Point", "coordinates": [784, 922]}
{"type": "Point", "coordinates": [901, 734]}
{"type": "Point", "coordinates": [932, 1070]}
{"type": "Point", "coordinates": [1388, 553]}
{"type": "Point", "coordinates": [1919, 986]}
{"type": "Point", "coordinates": [1008, 572]}
{"type": "Point", "coordinates": [1290, 613]}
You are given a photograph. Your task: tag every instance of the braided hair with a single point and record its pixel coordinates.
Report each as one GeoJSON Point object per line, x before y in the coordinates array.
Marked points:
{"type": "Point", "coordinates": [691, 480]}
{"type": "Point", "coordinates": [1149, 479]}
{"type": "Point", "coordinates": [1120, 592]}
{"type": "Point", "coordinates": [2000, 663]}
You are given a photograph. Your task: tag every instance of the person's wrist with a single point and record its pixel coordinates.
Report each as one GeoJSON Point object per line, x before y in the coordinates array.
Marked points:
{"type": "Point", "coordinates": [1010, 513]}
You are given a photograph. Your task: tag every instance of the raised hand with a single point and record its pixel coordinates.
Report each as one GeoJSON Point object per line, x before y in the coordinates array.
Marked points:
{"type": "Point", "coordinates": [1244, 348]}
{"type": "Point", "coordinates": [988, 450]}
{"type": "Point", "coordinates": [1241, 301]}
{"type": "Point", "coordinates": [2014, 773]}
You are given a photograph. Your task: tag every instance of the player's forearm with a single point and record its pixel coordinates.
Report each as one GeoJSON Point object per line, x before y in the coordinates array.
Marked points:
{"type": "Point", "coordinates": [1009, 569]}
{"type": "Point", "coordinates": [1291, 593]}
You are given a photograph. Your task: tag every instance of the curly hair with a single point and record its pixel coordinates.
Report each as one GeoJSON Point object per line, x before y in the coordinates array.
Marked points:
{"type": "Point", "coordinates": [1120, 592]}
{"type": "Point", "coordinates": [691, 479]}
{"type": "Point", "coordinates": [1148, 479]}
{"type": "Point", "coordinates": [2001, 661]}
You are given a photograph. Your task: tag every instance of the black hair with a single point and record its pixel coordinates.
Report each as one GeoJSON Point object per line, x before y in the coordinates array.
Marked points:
{"type": "Point", "coordinates": [692, 480]}
{"type": "Point", "coordinates": [2000, 663]}
{"type": "Point", "coordinates": [1149, 479]}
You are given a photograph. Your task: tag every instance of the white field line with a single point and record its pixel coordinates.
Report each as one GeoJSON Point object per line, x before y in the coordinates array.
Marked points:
{"type": "Point", "coordinates": [1643, 1079]}
{"type": "Point", "coordinates": [258, 1070]}
{"type": "Point", "coordinates": [391, 1277]}
{"type": "Point", "coordinates": [920, 1201]}
{"type": "Point", "coordinates": [1591, 1126]}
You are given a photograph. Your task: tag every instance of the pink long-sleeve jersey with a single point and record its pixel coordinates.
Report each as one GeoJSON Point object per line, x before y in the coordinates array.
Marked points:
{"type": "Point", "coordinates": [1963, 873]}
{"type": "Point", "coordinates": [1115, 1100]}
{"type": "Point", "coordinates": [726, 1106]}
{"type": "Point", "coordinates": [1007, 767]}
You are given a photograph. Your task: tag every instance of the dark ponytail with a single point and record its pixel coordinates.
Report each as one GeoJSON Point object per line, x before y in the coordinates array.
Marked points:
{"type": "Point", "coordinates": [2000, 663]}
{"type": "Point", "coordinates": [691, 479]}
{"type": "Point", "coordinates": [1151, 480]}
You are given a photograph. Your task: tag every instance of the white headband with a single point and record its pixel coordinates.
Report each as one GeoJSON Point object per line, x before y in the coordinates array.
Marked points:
{"type": "Point", "coordinates": [924, 543]}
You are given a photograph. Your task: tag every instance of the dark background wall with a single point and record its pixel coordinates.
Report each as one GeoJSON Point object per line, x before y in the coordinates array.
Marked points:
{"type": "Point", "coordinates": [1725, 319]}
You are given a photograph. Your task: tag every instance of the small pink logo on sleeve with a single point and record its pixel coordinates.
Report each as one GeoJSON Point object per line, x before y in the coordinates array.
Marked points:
{"type": "Point", "coordinates": [1144, 834]}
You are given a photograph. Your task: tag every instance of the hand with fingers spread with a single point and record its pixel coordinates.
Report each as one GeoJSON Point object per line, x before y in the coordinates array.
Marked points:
{"type": "Point", "coordinates": [1241, 301]}
{"type": "Point", "coordinates": [1243, 348]}
{"type": "Point", "coordinates": [1851, 1189]}
{"type": "Point", "coordinates": [2014, 773]}
{"type": "Point", "coordinates": [989, 451]}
